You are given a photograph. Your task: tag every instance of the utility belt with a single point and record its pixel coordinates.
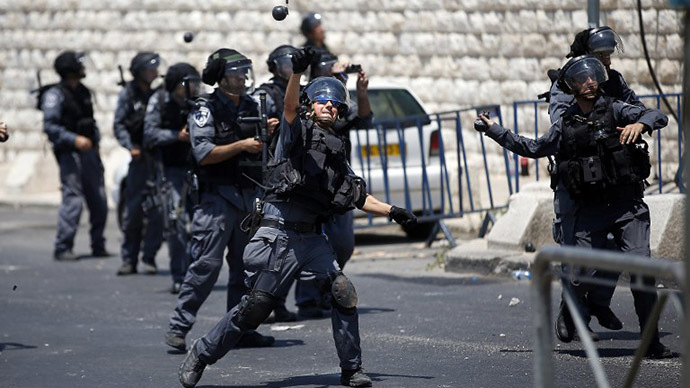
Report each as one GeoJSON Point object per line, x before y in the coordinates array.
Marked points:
{"type": "Point", "coordinates": [614, 193]}
{"type": "Point", "coordinates": [206, 186]}
{"type": "Point", "coordinates": [301, 227]}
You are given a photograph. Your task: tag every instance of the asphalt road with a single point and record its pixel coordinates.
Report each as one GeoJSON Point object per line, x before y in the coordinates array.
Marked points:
{"type": "Point", "coordinates": [79, 325]}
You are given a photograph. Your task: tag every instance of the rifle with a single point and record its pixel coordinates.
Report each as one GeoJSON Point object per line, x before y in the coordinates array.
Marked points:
{"type": "Point", "coordinates": [250, 224]}
{"type": "Point", "coordinates": [122, 77]}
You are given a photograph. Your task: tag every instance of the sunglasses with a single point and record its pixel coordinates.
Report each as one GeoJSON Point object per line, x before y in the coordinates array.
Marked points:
{"type": "Point", "coordinates": [325, 100]}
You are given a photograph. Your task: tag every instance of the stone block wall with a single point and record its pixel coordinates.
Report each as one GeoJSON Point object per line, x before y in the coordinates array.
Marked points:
{"type": "Point", "coordinates": [451, 53]}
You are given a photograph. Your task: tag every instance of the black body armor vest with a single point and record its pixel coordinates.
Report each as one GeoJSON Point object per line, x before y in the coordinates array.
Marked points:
{"type": "Point", "coordinates": [77, 111]}
{"type": "Point", "coordinates": [228, 130]}
{"type": "Point", "coordinates": [593, 164]}
{"type": "Point", "coordinates": [134, 123]}
{"type": "Point", "coordinates": [173, 117]}
{"type": "Point", "coordinates": [316, 175]}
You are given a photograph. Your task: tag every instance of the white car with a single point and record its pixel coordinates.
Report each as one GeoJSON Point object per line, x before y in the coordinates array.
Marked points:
{"type": "Point", "coordinates": [399, 159]}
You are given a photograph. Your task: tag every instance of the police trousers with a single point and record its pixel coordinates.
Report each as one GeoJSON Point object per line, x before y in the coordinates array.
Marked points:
{"type": "Point", "coordinates": [215, 228]}
{"type": "Point", "coordinates": [141, 232]}
{"type": "Point", "coordinates": [627, 220]}
{"type": "Point", "coordinates": [177, 237]}
{"type": "Point", "coordinates": [273, 258]}
{"type": "Point", "coordinates": [340, 232]}
{"type": "Point", "coordinates": [81, 178]}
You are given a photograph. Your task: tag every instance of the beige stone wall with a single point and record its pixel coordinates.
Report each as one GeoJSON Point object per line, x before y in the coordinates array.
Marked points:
{"type": "Point", "coordinates": [451, 53]}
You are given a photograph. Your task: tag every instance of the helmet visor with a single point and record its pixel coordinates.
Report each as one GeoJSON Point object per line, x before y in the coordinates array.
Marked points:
{"type": "Point", "coordinates": [284, 66]}
{"type": "Point", "coordinates": [604, 41]}
{"type": "Point", "coordinates": [324, 68]}
{"type": "Point", "coordinates": [588, 69]}
{"type": "Point", "coordinates": [192, 86]}
{"type": "Point", "coordinates": [240, 78]}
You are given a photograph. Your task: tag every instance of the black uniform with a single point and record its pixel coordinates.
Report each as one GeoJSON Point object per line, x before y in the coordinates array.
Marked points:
{"type": "Point", "coordinates": [129, 131]}
{"type": "Point", "coordinates": [604, 178]}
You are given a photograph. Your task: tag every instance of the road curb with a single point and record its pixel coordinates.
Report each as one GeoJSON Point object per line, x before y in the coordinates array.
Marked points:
{"type": "Point", "coordinates": [474, 256]}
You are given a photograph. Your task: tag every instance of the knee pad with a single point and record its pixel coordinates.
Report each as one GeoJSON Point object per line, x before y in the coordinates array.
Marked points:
{"type": "Point", "coordinates": [344, 294]}
{"type": "Point", "coordinates": [254, 309]}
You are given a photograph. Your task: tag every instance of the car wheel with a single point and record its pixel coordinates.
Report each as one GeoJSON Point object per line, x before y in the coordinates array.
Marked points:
{"type": "Point", "coordinates": [419, 231]}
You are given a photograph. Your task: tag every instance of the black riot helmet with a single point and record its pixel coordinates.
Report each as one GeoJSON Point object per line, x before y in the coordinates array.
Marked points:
{"type": "Point", "coordinates": [280, 61]}
{"type": "Point", "coordinates": [69, 62]}
{"type": "Point", "coordinates": [229, 63]}
{"type": "Point", "coordinates": [322, 65]}
{"type": "Point", "coordinates": [143, 60]}
{"type": "Point", "coordinates": [598, 41]}
{"type": "Point", "coordinates": [323, 89]}
{"type": "Point", "coordinates": [309, 22]}
{"type": "Point", "coordinates": [182, 72]}
{"type": "Point", "coordinates": [580, 69]}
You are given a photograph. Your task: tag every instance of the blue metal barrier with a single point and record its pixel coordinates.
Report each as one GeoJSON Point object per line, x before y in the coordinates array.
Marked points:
{"type": "Point", "coordinates": [656, 103]}
{"type": "Point", "coordinates": [389, 158]}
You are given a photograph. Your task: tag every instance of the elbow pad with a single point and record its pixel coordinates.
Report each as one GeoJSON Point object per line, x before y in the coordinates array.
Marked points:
{"type": "Point", "coordinates": [360, 192]}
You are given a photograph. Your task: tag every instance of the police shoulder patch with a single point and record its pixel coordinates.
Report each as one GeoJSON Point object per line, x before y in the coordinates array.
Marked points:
{"type": "Point", "coordinates": [50, 100]}
{"type": "Point", "coordinates": [201, 116]}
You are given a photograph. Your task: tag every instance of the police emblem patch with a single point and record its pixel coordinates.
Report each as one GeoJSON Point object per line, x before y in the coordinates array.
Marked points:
{"type": "Point", "coordinates": [201, 116]}
{"type": "Point", "coordinates": [50, 100]}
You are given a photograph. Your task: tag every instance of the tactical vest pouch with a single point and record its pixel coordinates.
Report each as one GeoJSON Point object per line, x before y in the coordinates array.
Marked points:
{"type": "Point", "coordinates": [592, 171]}
{"type": "Point", "coordinates": [632, 163]}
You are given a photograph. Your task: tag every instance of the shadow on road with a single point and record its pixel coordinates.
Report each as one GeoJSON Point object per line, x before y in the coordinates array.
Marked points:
{"type": "Point", "coordinates": [14, 346]}
{"type": "Point", "coordinates": [316, 381]}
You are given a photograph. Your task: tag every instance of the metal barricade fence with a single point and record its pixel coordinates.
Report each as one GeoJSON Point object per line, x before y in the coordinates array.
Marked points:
{"type": "Point", "coordinates": [537, 111]}
{"type": "Point", "coordinates": [431, 165]}
{"type": "Point", "coordinates": [543, 276]}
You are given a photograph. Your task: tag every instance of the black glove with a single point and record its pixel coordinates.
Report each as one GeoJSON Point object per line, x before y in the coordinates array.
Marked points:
{"type": "Point", "coordinates": [402, 216]}
{"type": "Point", "coordinates": [214, 71]}
{"type": "Point", "coordinates": [302, 59]}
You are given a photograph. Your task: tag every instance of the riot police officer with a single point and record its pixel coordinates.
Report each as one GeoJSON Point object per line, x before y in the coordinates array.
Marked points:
{"type": "Point", "coordinates": [602, 42]}
{"type": "Point", "coordinates": [69, 123]}
{"type": "Point", "coordinates": [225, 153]}
{"type": "Point", "coordinates": [313, 31]}
{"type": "Point", "coordinates": [340, 227]}
{"type": "Point", "coordinates": [309, 179]}
{"type": "Point", "coordinates": [602, 162]}
{"type": "Point", "coordinates": [167, 137]}
{"type": "Point", "coordinates": [129, 132]}
{"type": "Point", "coordinates": [279, 64]}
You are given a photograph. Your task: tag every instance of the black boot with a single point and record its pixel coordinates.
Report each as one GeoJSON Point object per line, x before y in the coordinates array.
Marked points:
{"type": "Point", "coordinates": [565, 328]}
{"type": "Point", "coordinates": [657, 350]}
{"type": "Point", "coordinates": [176, 340]}
{"type": "Point", "coordinates": [354, 378]}
{"type": "Point", "coordinates": [606, 318]}
{"type": "Point", "coordinates": [191, 368]}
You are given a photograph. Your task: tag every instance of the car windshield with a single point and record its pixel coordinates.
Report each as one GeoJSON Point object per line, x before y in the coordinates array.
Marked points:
{"type": "Point", "coordinates": [391, 105]}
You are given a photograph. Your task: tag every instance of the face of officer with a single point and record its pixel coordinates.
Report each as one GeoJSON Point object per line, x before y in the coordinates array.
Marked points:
{"type": "Point", "coordinates": [148, 75]}
{"type": "Point", "coordinates": [236, 81]}
{"type": "Point", "coordinates": [605, 58]}
{"type": "Point", "coordinates": [317, 35]}
{"type": "Point", "coordinates": [587, 87]}
{"type": "Point", "coordinates": [180, 91]}
{"type": "Point", "coordinates": [325, 112]}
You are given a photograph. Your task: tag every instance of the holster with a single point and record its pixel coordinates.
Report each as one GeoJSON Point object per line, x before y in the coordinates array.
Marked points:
{"type": "Point", "coordinates": [251, 223]}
